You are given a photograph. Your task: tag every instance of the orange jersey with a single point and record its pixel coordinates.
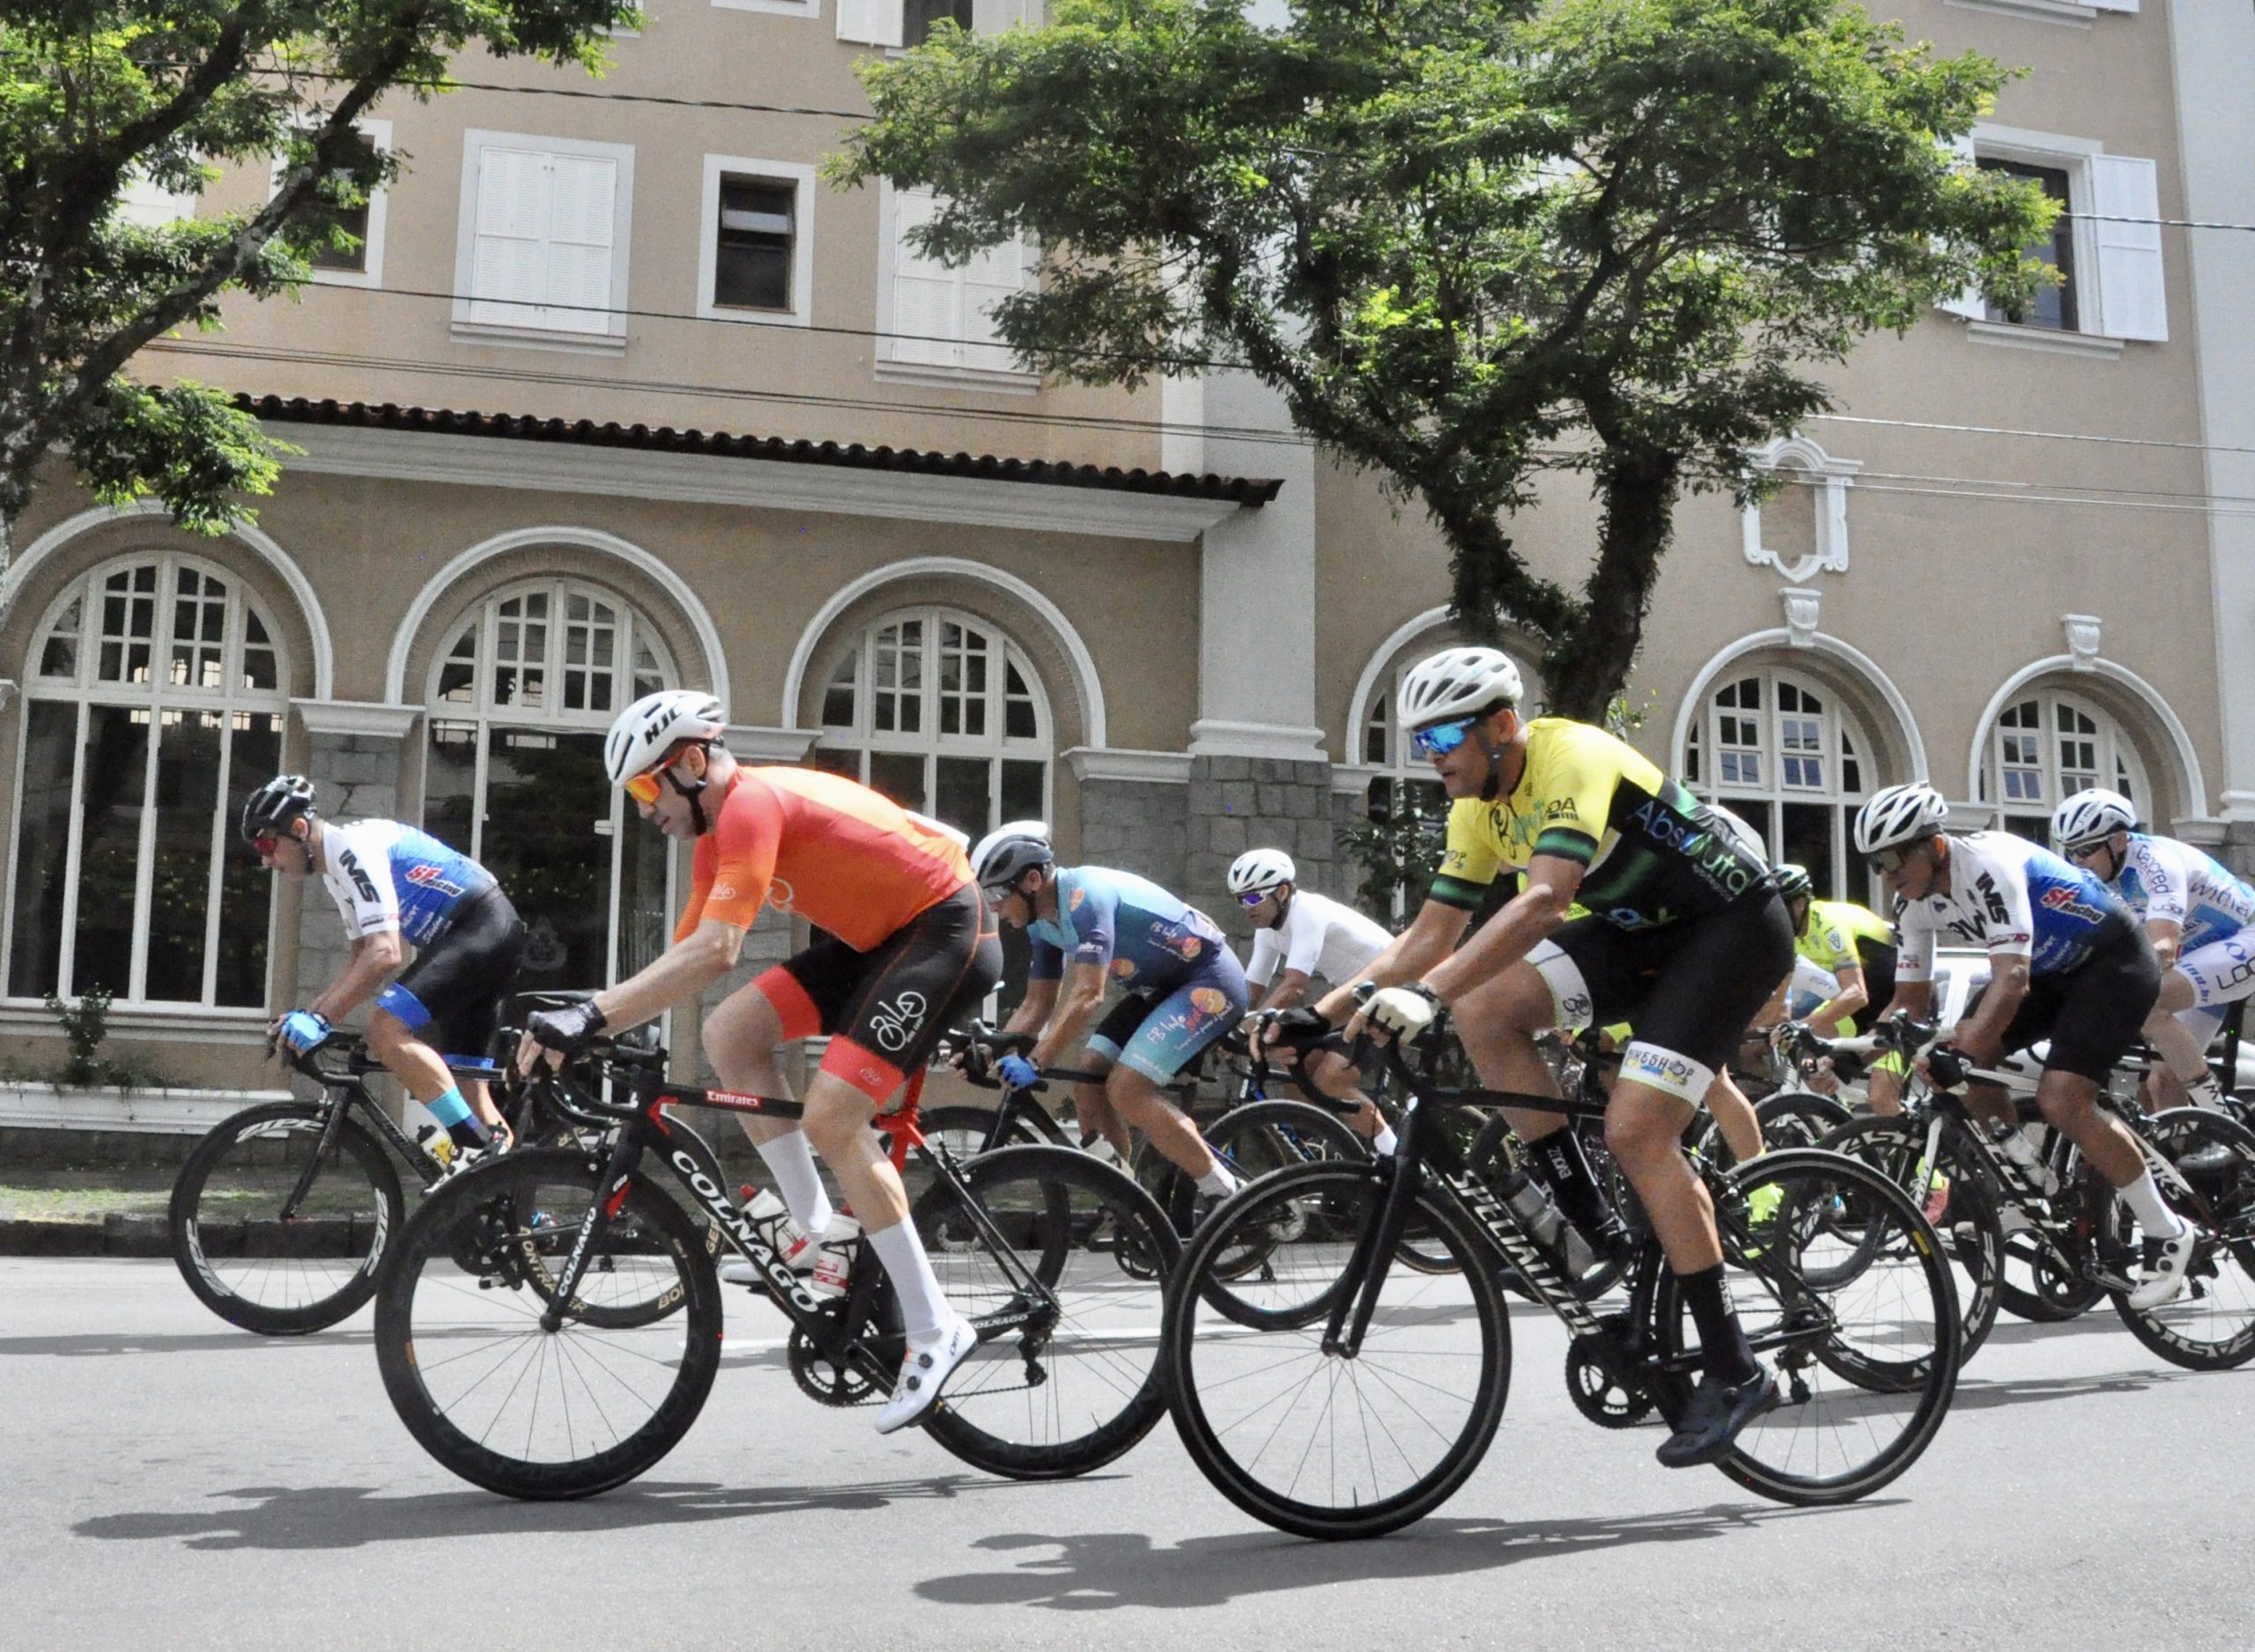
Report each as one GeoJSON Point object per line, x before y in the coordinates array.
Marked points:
{"type": "Point", "coordinates": [840, 856]}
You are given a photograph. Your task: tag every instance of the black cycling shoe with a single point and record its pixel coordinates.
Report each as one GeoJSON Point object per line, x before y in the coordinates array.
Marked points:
{"type": "Point", "coordinates": [1718, 1411]}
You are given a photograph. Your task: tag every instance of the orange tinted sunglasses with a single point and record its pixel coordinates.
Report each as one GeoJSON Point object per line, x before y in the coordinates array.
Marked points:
{"type": "Point", "coordinates": [643, 788]}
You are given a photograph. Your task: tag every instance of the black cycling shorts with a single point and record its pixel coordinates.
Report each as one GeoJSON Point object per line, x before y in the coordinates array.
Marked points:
{"type": "Point", "coordinates": [450, 996]}
{"type": "Point", "coordinates": [2092, 1013]}
{"type": "Point", "coordinates": [1688, 991]}
{"type": "Point", "coordinates": [884, 1009]}
{"type": "Point", "coordinates": [1877, 958]}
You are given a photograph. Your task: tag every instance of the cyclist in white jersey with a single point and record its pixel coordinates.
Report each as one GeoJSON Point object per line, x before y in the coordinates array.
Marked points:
{"type": "Point", "coordinates": [2200, 918]}
{"type": "Point", "coordinates": [1309, 935]}
{"type": "Point", "coordinates": [2067, 963]}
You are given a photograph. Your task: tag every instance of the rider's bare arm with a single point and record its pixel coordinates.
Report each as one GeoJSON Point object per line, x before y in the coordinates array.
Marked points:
{"type": "Point", "coordinates": [1078, 1000]}
{"type": "Point", "coordinates": [1032, 1013]}
{"type": "Point", "coordinates": [1431, 935]}
{"type": "Point", "coordinates": [373, 959]}
{"type": "Point", "coordinates": [1539, 908]}
{"type": "Point", "coordinates": [682, 971]}
{"type": "Point", "coordinates": [1854, 993]}
{"type": "Point", "coordinates": [1983, 1037]}
{"type": "Point", "coordinates": [2167, 936]}
{"type": "Point", "coordinates": [1288, 989]}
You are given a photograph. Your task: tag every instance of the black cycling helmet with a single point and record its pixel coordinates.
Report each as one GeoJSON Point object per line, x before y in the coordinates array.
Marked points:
{"type": "Point", "coordinates": [267, 812]}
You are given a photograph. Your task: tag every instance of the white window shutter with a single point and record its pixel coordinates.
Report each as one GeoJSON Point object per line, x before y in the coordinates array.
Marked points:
{"type": "Point", "coordinates": [150, 205]}
{"type": "Point", "coordinates": [871, 22]}
{"type": "Point", "coordinates": [994, 273]}
{"type": "Point", "coordinates": [992, 17]}
{"type": "Point", "coordinates": [1970, 303]}
{"type": "Point", "coordinates": [2132, 295]}
{"type": "Point", "coordinates": [927, 295]}
{"type": "Point", "coordinates": [509, 264]}
{"type": "Point", "coordinates": [583, 192]}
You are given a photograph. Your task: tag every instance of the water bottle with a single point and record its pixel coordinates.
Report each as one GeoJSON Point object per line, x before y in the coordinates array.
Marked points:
{"type": "Point", "coordinates": [2014, 1144]}
{"type": "Point", "coordinates": [833, 1262]}
{"type": "Point", "coordinates": [1550, 1230]}
{"type": "Point", "coordinates": [437, 1143]}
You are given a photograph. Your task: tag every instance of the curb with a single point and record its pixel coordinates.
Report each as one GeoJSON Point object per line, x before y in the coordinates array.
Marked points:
{"type": "Point", "coordinates": [114, 1235]}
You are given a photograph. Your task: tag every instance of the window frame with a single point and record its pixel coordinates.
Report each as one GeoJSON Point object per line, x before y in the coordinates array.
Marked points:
{"type": "Point", "coordinates": [891, 366]}
{"type": "Point", "coordinates": [371, 273]}
{"type": "Point", "coordinates": [1843, 739]}
{"type": "Point", "coordinates": [800, 177]}
{"type": "Point", "coordinates": [158, 697]}
{"type": "Point", "coordinates": [2121, 766]}
{"type": "Point", "coordinates": [484, 716]}
{"type": "Point", "coordinates": [533, 336]}
{"type": "Point", "coordinates": [773, 8]}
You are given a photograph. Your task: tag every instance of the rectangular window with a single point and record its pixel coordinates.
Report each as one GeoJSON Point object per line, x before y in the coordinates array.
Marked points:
{"type": "Point", "coordinates": [2054, 307]}
{"type": "Point", "coordinates": [919, 16]}
{"type": "Point", "coordinates": [542, 244]}
{"type": "Point", "coordinates": [940, 316]}
{"type": "Point", "coordinates": [756, 253]}
{"type": "Point", "coordinates": [364, 223]}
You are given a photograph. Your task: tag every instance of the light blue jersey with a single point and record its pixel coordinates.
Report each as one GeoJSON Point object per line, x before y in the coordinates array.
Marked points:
{"type": "Point", "coordinates": [1139, 935]}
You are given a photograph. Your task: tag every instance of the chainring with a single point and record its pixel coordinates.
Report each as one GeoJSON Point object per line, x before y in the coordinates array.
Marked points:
{"type": "Point", "coordinates": [820, 1378]}
{"type": "Point", "coordinates": [1594, 1391]}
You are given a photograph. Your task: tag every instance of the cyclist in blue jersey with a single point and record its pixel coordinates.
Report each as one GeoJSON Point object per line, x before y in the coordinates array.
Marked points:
{"type": "Point", "coordinates": [2200, 918]}
{"type": "Point", "coordinates": [1093, 928]}
{"type": "Point", "coordinates": [2067, 963]}
{"type": "Point", "coordinates": [395, 887]}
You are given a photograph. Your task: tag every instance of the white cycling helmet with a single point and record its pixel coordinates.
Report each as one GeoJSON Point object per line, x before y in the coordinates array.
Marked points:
{"type": "Point", "coordinates": [1456, 683]}
{"type": "Point", "coordinates": [1258, 871]}
{"type": "Point", "coordinates": [1004, 854]}
{"type": "Point", "coordinates": [651, 729]}
{"type": "Point", "coordinates": [2091, 815]}
{"type": "Point", "coordinates": [1899, 815]}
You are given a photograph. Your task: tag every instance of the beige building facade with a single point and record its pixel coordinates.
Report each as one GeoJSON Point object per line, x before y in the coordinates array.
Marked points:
{"type": "Point", "coordinates": [2019, 558]}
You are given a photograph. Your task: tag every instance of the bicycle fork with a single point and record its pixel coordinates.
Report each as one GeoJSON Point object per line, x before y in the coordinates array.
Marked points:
{"type": "Point", "coordinates": [1377, 1232]}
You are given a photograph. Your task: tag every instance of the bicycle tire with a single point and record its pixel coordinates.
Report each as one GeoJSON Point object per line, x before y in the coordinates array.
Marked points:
{"type": "Point", "coordinates": [476, 1218]}
{"type": "Point", "coordinates": [1208, 1365]}
{"type": "Point", "coordinates": [1897, 1148]}
{"type": "Point", "coordinates": [1255, 1140]}
{"type": "Point", "coordinates": [2196, 1330]}
{"type": "Point", "coordinates": [964, 1129]}
{"type": "Point", "coordinates": [201, 1239]}
{"type": "Point", "coordinates": [1061, 1205]}
{"type": "Point", "coordinates": [1799, 1118]}
{"type": "Point", "coordinates": [1772, 1296]}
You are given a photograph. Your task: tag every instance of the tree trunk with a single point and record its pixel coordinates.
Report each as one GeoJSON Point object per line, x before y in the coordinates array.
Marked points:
{"type": "Point", "coordinates": [1587, 669]}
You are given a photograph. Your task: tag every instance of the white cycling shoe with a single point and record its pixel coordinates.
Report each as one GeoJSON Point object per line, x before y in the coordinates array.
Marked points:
{"type": "Point", "coordinates": [2159, 1285]}
{"type": "Point", "coordinates": [924, 1372]}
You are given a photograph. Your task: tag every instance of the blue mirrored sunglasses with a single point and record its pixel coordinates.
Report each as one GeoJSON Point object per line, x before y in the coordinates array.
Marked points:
{"type": "Point", "coordinates": [1441, 738]}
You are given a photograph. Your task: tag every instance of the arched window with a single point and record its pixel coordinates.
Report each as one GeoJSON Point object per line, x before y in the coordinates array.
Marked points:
{"type": "Point", "coordinates": [519, 703]}
{"type": "Point", "coordinates": [154, 706]}
{"type": "Point", "coordinates": [1786, 756]}
{"type": "Point", "coordinates": [2046, 746]}
{"type": "Point", "coordinates": [943, 714]}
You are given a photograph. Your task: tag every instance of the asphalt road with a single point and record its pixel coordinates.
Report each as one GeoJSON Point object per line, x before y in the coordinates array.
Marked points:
{"type": "Point", "coordinates": [173, 1482]}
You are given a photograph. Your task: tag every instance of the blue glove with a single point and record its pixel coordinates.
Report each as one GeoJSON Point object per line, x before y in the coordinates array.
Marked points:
{"type": "Point", "coordinates": [1018, 1073]}
{"type": "Point", "coordinates": [303, 1031]}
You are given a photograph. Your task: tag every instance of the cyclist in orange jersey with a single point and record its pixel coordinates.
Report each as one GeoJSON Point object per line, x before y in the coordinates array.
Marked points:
{"type": "Point", "coordinates": [910, 946]}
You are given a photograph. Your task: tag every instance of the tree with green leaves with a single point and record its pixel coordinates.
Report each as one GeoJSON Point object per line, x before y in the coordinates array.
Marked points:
{"type": "Point", "coordinates": [1472, 241]}
{"type": "Point", "coordinates": [99, 96]}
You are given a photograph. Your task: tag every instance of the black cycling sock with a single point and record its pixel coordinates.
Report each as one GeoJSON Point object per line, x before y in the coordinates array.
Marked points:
{"type": "Point", "coordinates": [1559, 1164]}
{"type": "Point", "coordinates": [470, 1132]}
{"type": "Point", "coordinates": [1722, 1339]}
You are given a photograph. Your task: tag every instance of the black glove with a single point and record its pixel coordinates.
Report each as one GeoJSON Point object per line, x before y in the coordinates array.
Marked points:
{"type": "Point", "coordinates": [1946, 1065]}
{"type": "Point", "coordinates": [567, 1030]}
{"type": "Point", "coordinates": [1299, 1027]}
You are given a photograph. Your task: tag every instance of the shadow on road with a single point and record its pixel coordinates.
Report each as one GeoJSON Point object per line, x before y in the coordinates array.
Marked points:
{"type": "Point", "coordinates": [1104, 1570]}
{"type": "Point", "coordinates": [349, 1516]}
{"type": "Point", "coordinates": [92, 1343]}
{"type": "Point", "coordinates": [1986, 1394]}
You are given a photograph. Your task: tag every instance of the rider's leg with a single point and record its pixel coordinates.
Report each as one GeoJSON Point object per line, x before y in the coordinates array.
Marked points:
{"type": "Point", "coordinates": [1135, 1098]}
{"type": "Point", "coordinates": [1099, 1117]}
{"type": "Point", "coordinates": [837, 1124]}
{"type": "Point", "coordinates": [741, 1036]}
{"type": "Point", "coordinates": [420, 1070]}
{"type": "Point", "coordinates": [1733, 1116]}
{"type": "Point", "coordinates": [1166, 1043]}
{"type": "Point", "coordinates": [1327, 1073]}
{"type": "Point", "coordinates": [2182, 1041]}
{"type": "Point", "coordinates": [2069, 1101]}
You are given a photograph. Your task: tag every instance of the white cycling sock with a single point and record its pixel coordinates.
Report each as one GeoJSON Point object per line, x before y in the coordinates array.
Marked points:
{"type": "Point", "coordinates": [1219, 1182]}
{"type": "Point", "coordinates": [791, 1162]}
{"type": "Point", "coordinates": [924, 1309]}
{"type": "Point", "coordinates": [1386, 1141]}
{"type": "Point", "coordinates": [2143, 1197]}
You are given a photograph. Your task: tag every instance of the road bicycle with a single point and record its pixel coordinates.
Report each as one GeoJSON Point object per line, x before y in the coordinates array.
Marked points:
{"type": "Point", "coordinates": [1340, 1395]}
{"type": "Point", "coordinates": [282, 1214]}
{"type": "Point", "coordinates": [2056, 1222]}
{"type": "Point", "coordinates": [514, 1340]}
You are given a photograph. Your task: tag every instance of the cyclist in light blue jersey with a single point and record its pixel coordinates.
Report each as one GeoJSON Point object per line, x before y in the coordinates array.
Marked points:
{"type": "Point", "coordinates": [395, 887]}
{"type": "Point", "coordinates": [2200, 918]}
{"type": "Point", "coordinates": [1093, 928]}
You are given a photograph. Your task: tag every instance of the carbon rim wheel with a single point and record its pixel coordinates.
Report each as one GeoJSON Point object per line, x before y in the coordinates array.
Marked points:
{"type": "Point", "coordinates": [2211, 1324]}
{"type": "Point", "coordinates": [244, 1262]}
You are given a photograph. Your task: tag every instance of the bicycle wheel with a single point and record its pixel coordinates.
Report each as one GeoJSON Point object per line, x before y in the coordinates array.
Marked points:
{"type": "Point", "coordinates": [1799, 1118]}
{"type": "Point", "coordinates": [1317, 1443]}
{"type": "Point", "coordinates": [251, 1267]}
{"type": "Point", "coordinates": [2036, 1286]}
{"type": "Point", "coordinates": [1255, 1140]}
{"type": "Point", "coordinates": [494, 1395]}
{"type": "Point", "coordinates": [1866, 1369]}
{"type": "Point", "coordinates": [1050, 1391]}
{"type": "Point", "coordinates": [2211, 1325]}
{"type": "Point", "coordinates": [1974, 1244]}
{"type": "Point", "coordinates": [964, 1129]}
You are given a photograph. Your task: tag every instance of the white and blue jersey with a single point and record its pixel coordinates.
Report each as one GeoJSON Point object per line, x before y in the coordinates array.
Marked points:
{"type": "Point", "coordinates": [1142, 937]}
{"type": "Point", "coordinates": [2015, 899]}
{"type": "Point", "coordinates": [2162, 879]}
{"type": "Point", "coordinates": [386, 875]}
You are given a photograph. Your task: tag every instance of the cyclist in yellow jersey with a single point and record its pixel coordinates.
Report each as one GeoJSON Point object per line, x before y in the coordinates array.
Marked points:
{"type": "Point", "coordinates": [1856, 946]}
{"type": "Point", "coordinates": [1685, 938]}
